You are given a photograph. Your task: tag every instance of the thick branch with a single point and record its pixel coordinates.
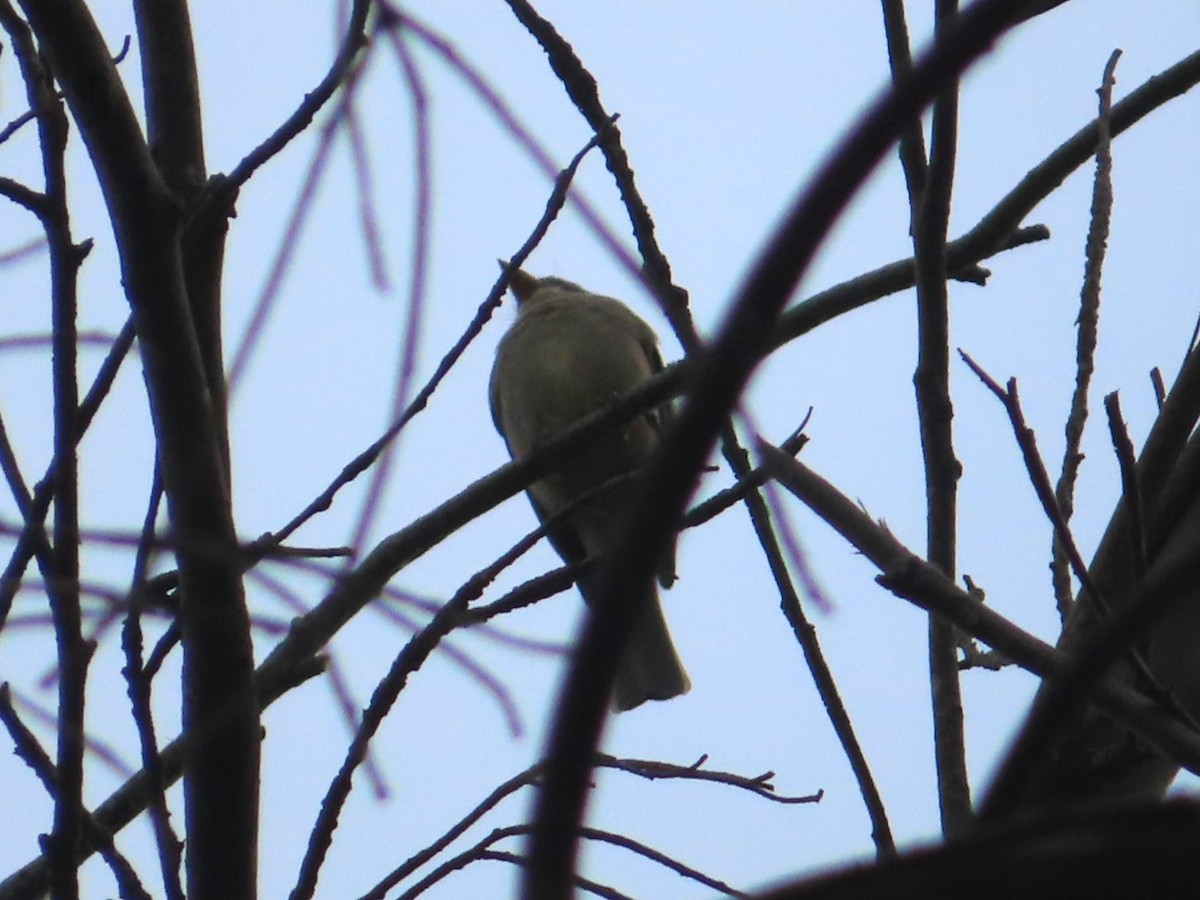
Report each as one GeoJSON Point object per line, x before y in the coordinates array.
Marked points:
{"type": "Point", "coordinates": [218, 658]}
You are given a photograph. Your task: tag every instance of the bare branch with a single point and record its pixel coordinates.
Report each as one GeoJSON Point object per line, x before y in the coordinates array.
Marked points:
{"type": "Point", "coordinates": [26, 746]}
{"type": "Point", "coordinates": [1038, 476]}
{"type": "Point", "coordinates": [1131, 492]}
{"type": "Point", "coordinates": [581, 87]}
{"type": "Point", "coordinates": [62, 577]}
{"type": "Point", "coordinates": [910, 577]}
{"type": "Point", "coordinates": [935, 413]}
{"type": "Point", "coordinates": [223, 191]}
{"type": "Point", "coordinates": [215, 626]}
{"type": "Point", "coordinates": [1044, 178]}
{"type": "Point", "coordinates": [1089, 315]}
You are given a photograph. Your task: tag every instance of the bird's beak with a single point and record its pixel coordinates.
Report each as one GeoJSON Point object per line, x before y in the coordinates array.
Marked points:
{"type": "Point", "coordinates": [520, 282]}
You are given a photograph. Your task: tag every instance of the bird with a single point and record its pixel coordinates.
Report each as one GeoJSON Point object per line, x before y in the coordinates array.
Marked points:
{"type": "Point", "coordinates": [568, 354]}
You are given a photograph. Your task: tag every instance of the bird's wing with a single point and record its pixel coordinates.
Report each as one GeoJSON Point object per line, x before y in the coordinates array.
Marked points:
{"type": "Point", "coordinates": [563, 538]}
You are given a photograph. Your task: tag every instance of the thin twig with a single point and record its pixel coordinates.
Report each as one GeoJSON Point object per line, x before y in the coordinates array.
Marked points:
{"type": "Point", "coordinates": [490, 802]}
{"type": "Point", "coordinates": [581, 87]}
{"type": "Point", "coordinates": [26, 746]}
{"type": "Point", "coordinates": [654, 769]}
{"type": "Point", "coordinates": [483, 847]}
{"type": "Point", "coordinates": [62, 583]}
{"type": "Point", "coordinates": [1131, 492]}
{"type": "Point", "coordinates": [1038, 476]}
{"type": "Point", "coordinates": [222, 191]}
{"type": "Point", "coordinates": [482, 852]}
{"type": "Point", "coordinates": [831, 699]}
{"type": "Point", "coordinates": [1160, 389]}
{"type": "Point", "coordinates": [138, 680]}
{"type": "Point", "coordinates": [1085, 352]}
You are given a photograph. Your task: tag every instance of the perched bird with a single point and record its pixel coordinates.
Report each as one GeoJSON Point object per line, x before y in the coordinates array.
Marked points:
{"type": "Point", "coordinates": [567, 355]}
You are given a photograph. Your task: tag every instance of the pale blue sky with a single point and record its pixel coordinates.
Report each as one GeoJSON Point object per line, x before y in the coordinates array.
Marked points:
{"type": "Point", "coordinates": [723, 115]}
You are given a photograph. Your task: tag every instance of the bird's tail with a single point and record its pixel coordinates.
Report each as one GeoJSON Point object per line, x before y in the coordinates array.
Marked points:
{"type": "Point", "coordinates": [650, 669]}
